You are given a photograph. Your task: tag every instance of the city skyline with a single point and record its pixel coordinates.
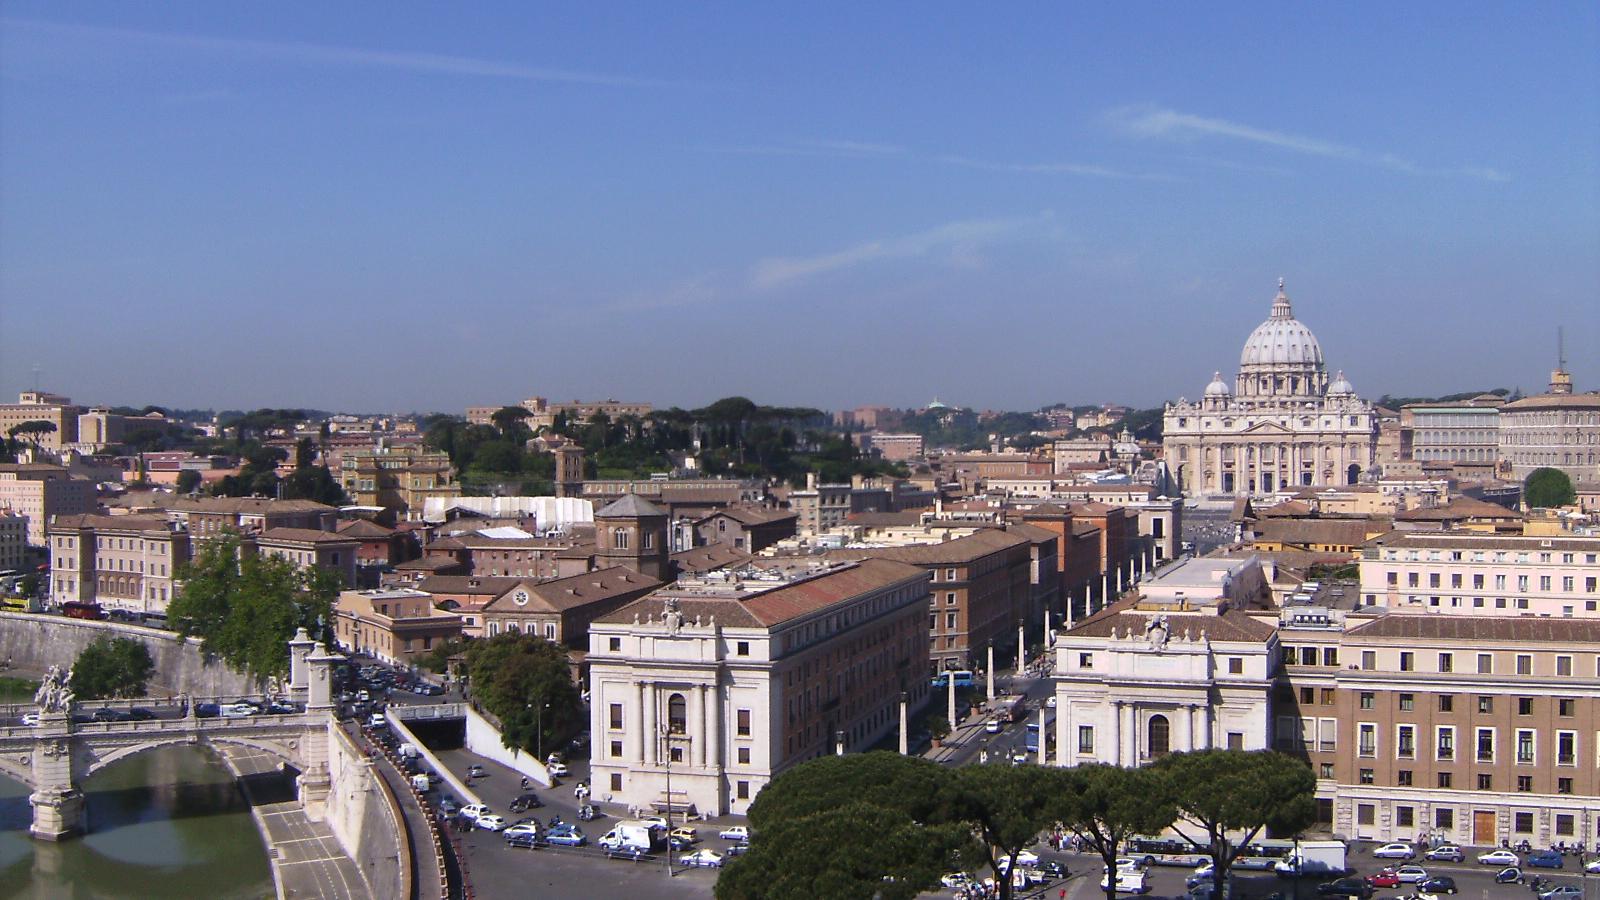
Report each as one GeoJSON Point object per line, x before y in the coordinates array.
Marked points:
{"type": "Point", "coordinates": [851, 209]}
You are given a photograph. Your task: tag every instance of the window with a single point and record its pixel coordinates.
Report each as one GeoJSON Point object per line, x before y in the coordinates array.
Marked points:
{"type": "Point", "coordinates": [1525, 745]}
{"type": "Point", "coordinates": [619, 538]}
{"type": "Point", "coordinates": [949, 574]}
{"type": "Point", "coordinates": [1524, 664]}
{"type": "Point", "coordinates": [1330, 656]}
{"type": "Point", "coordinates": [950, 598]}
{"type": "Point", "coordinates": [1524, 783]}
{"type": "Point", "coordinates": [1485, 664]}
{"type": "Point", "coordinates": [1564, 824]}
{"type": "Point", "coordinates": [1563, 786]}
{"type": "Point", "coordinates": [1566, 748]}
{"type": "Point", "coordinates": [1159, 734]}
{"type": "Point", "coordinates": [616, 782]}
{"type": "Point", "coordinates": [1369, 659]}
{"type": "Point", "coordinates": [1308, 656]}
{"type": "Point", "coordinates": [1524, 706]}
{"type": "Point", "coordinates": [1403, 778]}
{"type": "Point", "coordinates": [1446, 662]}
{"type": "Point", "coordinates": [616, 716]}
{"type": "Point", "coordinates": [744, 756]}
{"type": "Point", "coordinates": [1235, 665]}
{"type": "Point", "coordinates": [1406, 741]}
{"type": "Point", "coordinates": [1444, 780]}
{"type": "Point", "coordinates": [1447, 702]}
{"type": "Point", "coordinates": [1235, 740]}
{"type": "Point", "coordinates": [1485, 745]}
{"type": "Point", "coordinates": [949, 621]}
{"type": "Point", "coordinates": [676, 754]}
{"type": "Point", "coordinates": [1366, 776]}
{"type": "Point", "coordinates": [1566, 707]}
{"type": "Point", "coordinates": [1085, 660]}
{"type": "Point", "coordinates": [677, 714]}
{"type": "Point", "coordinates": [1405, 660]}
{"type": "Point", "coordinates": [742, 648]}
{"type": "Point", "coordinates": [1326, 771]}
{"type": "Point", "coordinates": [647, 540]}
{"type": "Point", "coordinates": [743, 726]}
{"type": "Point", "coordinates": [616, 749]}
{"type": "Point", "coordinates": [1485, 782]}
{"type": "Point", "coordinates": [1366, 699]}
{"type": "Point", "coordinates": [1367, 737]}
{"type": "Point", "coordinates": [1444, 818]}
{"type": "Point", "coordinates": [1327, 696]}
{"type": "Point", "coordinates": [1485, 705]}
{"type": "Point", "coordinates": [1365, 813]}
{"type": "Point", "coordinates": [1446, 742]}
{"type": "Point", "coordinates": [1407, 702]}
{"type": "Point", "coordinates": [1307, 696]}
{"type": "Point", "coordinates": [1564, 665]}
{"type": "Point", "coordinates": [1523, 823]}
{"type": "Point", "coordinates": [614, 645]}
{"type": "Point", "coordinates": [1404, 816]}
{"type": "Point", "coordinates": [1085, 738]}
{"type": "Point", "coordinates": [743, 790]}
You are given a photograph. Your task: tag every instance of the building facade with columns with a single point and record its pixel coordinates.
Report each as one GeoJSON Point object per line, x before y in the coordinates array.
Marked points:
{"type": "Point", "coordinates": [721, 682]}
{"type": "Point", "coordinates": [1282, 426]}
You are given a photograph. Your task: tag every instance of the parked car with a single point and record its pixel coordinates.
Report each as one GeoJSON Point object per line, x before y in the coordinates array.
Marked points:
{"type": "Point", "coordinates": [1562, 892]}
{"type": "Point", "coordinates": [993, 726]}
{"type": "Point", "coordinates": [1438, 884]}
{"type": "Point", "coordinates": [705, 858]}
{"type": "Point", "coordinates": [110, 715]}
{"type": "Point", "coordinates": [1546, 859]}
{"type": "Point", "coordinates": [525, 802]}
{"type": "Point", "coordinates": [1346, 887]}
{"type": "Point", "coordinates": [490, 822]}
{"type": "Point", "coordinates": [566, 835]}
{"type": "Point", "coordinates": [1395, 851]}
{"type": "Point", "coordinates": [140, 714]}
{"type": "Point", "coordinates": [1593, 867]}
{"type": "Point", "coordinates": [1052, 869]}
{"type": "Point", "coordinates": [956, 880]}
{"type": "Point", "coordinates": [473, 811]}
{"type": "Point", "coordinates": [1384, 878]}
{"type": "Point", "coordinates": [477, 772]}
{"type": "Point", "coordinates": [1446, 853]}
{"type": "Point", "coordinates": [525, 841]}
{"type": "Point", "coordinates": [1201, 875]}
{"type": "Point", "coordinates": [239, 710]}
{"type": "Point", "coordinates": [1509, 875]}
{"type": "Point", "coordinates": [735, 833]}
{"type": "Point", "coordinates": [1499, 858]}
{"type": "Point", "coordinates": [448, 806]}
{"type": "Point", "coordinates": [1412, 874]}
{"type": "Point", "coordinates": [685, 832]}
{"type": "Point", "coordinates": [31, 720]}
{"type": "Point", "coordinates": [558, 769]}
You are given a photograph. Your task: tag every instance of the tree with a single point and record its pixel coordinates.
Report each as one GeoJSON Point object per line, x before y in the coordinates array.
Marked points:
{"type": "Point", "coordinates": [1105, 805]}
{"type": "Point", "coordinates": [1548, 489]}
{"type": "Point", "coordinates": [245, 609]}
{"type": "Point", "coordinates": [112, 667]}
{"type": "Point", "coordinates": [1007, 807]}
{"type": "Point", "coordinates": [506, 418]}
{"type": "Point", "coordinates": [188, 480]}
{"type": "Point", "coordinates": [870, 824]}
{"type": "Point", "coordinates": [32, 430]}
{"type": "Point", "coordinates": [525, 681]}
{"type": "Point", "coordinates": [1218, 793]}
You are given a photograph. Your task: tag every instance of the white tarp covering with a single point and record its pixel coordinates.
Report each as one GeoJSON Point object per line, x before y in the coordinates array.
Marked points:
{"type": "Point", "coordinates": [549, 513]}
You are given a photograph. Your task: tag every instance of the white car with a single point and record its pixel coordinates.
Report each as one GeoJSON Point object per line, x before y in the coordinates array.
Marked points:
{"type": "Point", "coordinates": [992, 726]}
{"type": "Point", "coordinates": [527, 828]}
{"type": "Point", "coordinates": [238, 710]}
{"type": "Point", "coordinates": [1050, 702]}
{"type": "Point", "coordinates": [956, 880]}
{"type": "Point", "coordinates": [558, 769]}
{"type": "Point", "coordinates": [734, 833]}
{"type": "Point", "coordinates": [708, 858]}
{"type": "Point", "coordinates": [1412, 874]}
{"type": "Point", "coordinates": [1499, 858]}
{"type": "Point", "coordinates": [473, 811]}
{"type": "Point", "coordinates": [1395, 851]}
{"type": "Point", "coordinates": [1129, 862]}
{"type": "Point", "coordinates": [490, 822]}
{"type": "Point", "coordinates": [1201, 875]}
{"type": "Point", "coordinates": [31, 720]}
{"type": "Point", "coordinates": [1593, 868]}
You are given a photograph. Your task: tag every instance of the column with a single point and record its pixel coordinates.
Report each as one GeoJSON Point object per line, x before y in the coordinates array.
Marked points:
{"type": "Point", "coordinates": [1130, 733]}
{"type": "Point", "coordinates": [1044, 739]}
{"type": "Point", "coordinates": [1046, 643]}
{"type": "Point", "coordinates": [1186, 724]}
{"type": "Point", "coordinates": [950, 682]}
{"type": "Point", "coordinates": [714, 727]}
{"type": "Point", "coordinates": [989, 672]}
{"type": "Point", "coordinates": [905, 738]}
{"type": "Point", "coordinates": [1116, 733]}
{"type": "Point", "coordinates": [649, 734]}
{"type": "Point", "coordinates": [700, 716]}
{"type": "Point", "coordinates": [638, 729]}
{"type": "Point", "coordinates": [1022, 645]}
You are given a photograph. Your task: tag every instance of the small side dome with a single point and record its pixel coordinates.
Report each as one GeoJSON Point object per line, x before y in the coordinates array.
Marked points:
{"type": "Point", "coordinates": [1341, 385]}
{"type": "Point", "coordinates": [1217, 387]}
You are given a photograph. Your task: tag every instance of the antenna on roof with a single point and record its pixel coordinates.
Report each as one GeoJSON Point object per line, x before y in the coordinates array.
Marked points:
{"type": "Point", "coordinates": [1561, 349]}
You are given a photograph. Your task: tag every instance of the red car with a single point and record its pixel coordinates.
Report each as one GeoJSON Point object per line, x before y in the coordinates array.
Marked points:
{"type": "Point", "coordinates": [1385, 879]}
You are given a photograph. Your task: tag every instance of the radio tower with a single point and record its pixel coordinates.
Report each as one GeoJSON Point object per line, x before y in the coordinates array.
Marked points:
{"type": "Point", "coordinates": [1561, 379]}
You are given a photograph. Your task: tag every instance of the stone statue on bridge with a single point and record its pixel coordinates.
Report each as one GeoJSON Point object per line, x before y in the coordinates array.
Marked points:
{"type": "Point", "coordinates": [55, 691]}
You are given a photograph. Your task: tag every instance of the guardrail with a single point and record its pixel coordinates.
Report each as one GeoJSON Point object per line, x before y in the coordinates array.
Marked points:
{"type": "Point", "coordinates": [432, 817]}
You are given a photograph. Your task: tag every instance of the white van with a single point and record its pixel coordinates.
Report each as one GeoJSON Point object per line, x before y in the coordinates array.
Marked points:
{"type": "Point", "coordinates": [1129, 881]}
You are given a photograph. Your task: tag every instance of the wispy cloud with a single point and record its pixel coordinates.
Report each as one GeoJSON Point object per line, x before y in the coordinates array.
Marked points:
{"type": "Point", "coordinates": [324, 54]}
{"type": "Point", "coordinates": [866, 150]}
{"type": "Point", "coordinates": [1168, 124]}
{"type": "Point", "coordinates": [959, 239]}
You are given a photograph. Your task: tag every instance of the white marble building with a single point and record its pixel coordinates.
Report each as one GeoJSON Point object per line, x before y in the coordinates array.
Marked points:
{"type": "Point", "coordinates": [1281, 427]}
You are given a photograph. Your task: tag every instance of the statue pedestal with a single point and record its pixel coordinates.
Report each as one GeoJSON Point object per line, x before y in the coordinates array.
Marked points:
{"type": "Point", "coordinates": [57, 814]}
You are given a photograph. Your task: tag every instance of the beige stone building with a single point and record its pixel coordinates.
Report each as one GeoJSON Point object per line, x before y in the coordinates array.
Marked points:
{"type": "Point", "coordinates": [39, 406]}
{"type": "Point", "coordinates": [560, 609]}
{"type": "Point", "coordinates": [394, 625]}
{"type": "Point", "coordinates": [399, 479]}
{"type": "Point", "coordinates": [13, 541]}
{"type": "Point", "coordinates": [1554, 430]}
{"type": "Point", "coordinates": [309, 548]}
{"type": "Point", "coordinates": [1464, 573]}
{"type": "Point", "coordinates": [41, 491]}
{"type": "Point", "coordinates": [726, 682]}
{"type": "Point", "coordinates": [1283, 425]}
{"type": "Point", "coordinates": [120, 562]}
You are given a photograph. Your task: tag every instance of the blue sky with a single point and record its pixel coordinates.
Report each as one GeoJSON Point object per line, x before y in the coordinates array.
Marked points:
{"type": "Point", "coordinates": [413, 206]}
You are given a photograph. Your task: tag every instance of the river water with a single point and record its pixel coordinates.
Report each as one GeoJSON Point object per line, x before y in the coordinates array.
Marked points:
{"type": "Point", "coordinates": [168, 823]}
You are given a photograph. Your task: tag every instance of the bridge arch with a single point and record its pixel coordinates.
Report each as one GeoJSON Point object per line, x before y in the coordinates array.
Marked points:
{"type": "Point", "coordinates": [286, 751]}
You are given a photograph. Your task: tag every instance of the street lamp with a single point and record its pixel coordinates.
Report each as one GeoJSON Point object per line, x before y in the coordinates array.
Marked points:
{"type": "Point", "coordinates": [664, 732]}
{"type": "Point", "coordinates": [538, 712]}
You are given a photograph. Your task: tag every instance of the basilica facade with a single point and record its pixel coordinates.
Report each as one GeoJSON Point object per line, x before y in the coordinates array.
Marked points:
{"type": "Point", "coordinates": [1281, 427]}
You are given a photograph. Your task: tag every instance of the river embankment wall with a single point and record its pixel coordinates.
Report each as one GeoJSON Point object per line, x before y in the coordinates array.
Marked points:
{"type": "Point", "coordinates": [37, 642]}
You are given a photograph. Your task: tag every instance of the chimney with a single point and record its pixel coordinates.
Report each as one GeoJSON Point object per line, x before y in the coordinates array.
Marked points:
{"type": "Point", "coordinates": [811, 481]}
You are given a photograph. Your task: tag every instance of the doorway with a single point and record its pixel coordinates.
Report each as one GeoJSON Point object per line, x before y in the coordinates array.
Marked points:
{"type": "Point", "coordinates": [1483, 827]}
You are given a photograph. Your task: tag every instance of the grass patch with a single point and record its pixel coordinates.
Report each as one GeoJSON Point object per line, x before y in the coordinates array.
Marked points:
{"type": "Point", "coordinates": [17, 690]}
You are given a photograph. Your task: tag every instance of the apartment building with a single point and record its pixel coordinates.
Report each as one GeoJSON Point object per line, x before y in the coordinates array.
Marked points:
{"type": "Point", "coordinates": [39, 406]}
{"type": "Point", "coordinates": [1478, 728]}
{"type": "Point", "coordinates": [309, 548]}
{"type": "Point", "coordinates": [13, 541]}
{"type": "Point", "coordinates": [396, 626]}
{"type": "Point", "coordinates": [120, 562]}
{"type": "Point", "coordinates": [560, 609]}
{"type": "Point", "coordinates": [40, 491]}
{"type": "Point", "coordinates": [894, 447]}
{"type": "Point", "coordinates": [399, 479]}
{"type": "Point", "coordinates": [1470, 574]}
{"type": "Point", "coordinates": [211, 516]}
{"type": "Point", "coordinates": [747, 528]}
{"type": "Point", "coordinates": [1466, 431]}
{"type": "Point", "coordinates": [724, 682]}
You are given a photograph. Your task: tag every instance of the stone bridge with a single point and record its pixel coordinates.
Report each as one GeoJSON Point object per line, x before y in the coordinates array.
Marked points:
{"type": "Point", "coordinates": [56, 755]}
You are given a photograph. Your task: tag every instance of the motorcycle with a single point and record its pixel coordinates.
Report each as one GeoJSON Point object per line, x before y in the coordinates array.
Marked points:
{"type": "Point", "coordinates": [586, 812]}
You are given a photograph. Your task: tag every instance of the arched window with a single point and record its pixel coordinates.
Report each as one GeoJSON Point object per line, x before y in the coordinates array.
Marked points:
{"type": "Point", "coordinates": [677, 714]}
{"type": "Point", "coordinates": [1160, 736]}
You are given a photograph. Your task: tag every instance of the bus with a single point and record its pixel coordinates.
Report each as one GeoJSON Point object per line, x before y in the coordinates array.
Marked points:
{"type": "Point", "coordinates": [963, 678]}
{"type": "Point", "coordinates": [1264, 854]}
{"type": "Point", "coordinates": [10, 603]}
{"type": "Point", "coordinates": [1031, 742]}
{"type": "Point", "coordinates": [1164, 852]}
{"type": "Point", "coordinates": [74, 609]}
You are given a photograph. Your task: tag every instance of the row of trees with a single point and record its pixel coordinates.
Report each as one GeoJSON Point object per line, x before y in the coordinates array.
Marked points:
{"type": "Point", "coordinates": [112, 667]}
{"type": "Point", "coordinates": [879, 824]}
